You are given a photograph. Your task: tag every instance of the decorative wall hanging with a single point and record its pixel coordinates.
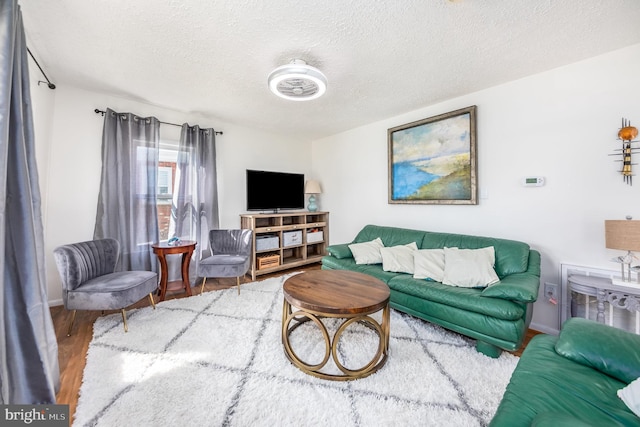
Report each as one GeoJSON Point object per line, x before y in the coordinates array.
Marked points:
{"type": "Point", "coordinates": [433, 161]}
{"type": "Point", "coordinates": [627, 133]}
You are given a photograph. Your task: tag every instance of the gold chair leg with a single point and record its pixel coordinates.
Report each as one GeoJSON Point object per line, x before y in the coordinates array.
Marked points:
{"type": "Point", "coordinates": [153, 303]}
{"type": "Point", "coordinates": [204, 280]}
{"type": "Point", "coordinates": [238, 283]}
{"type": "Point", "coordinates": [73, 319]}
{"type": "Point", "coordinates": [124, 319]}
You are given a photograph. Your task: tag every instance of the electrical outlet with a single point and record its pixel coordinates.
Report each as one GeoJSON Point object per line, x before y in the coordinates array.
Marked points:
{"type": "Point", "coordinates": [551, 291]}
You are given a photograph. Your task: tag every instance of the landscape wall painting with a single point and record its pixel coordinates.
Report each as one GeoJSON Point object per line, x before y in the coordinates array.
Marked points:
{"type": "Point", "coordinates": [433, 161]}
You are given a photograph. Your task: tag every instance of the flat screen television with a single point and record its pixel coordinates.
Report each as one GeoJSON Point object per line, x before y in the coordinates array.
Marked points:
{"type": "Point", "coordinates": [272, 191]}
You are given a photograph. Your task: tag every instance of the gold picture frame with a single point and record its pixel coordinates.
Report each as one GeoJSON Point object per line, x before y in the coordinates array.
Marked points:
{"type": "Point", "coordinates": [434, 161]}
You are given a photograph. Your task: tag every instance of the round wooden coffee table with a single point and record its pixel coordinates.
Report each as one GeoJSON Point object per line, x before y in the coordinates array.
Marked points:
{"type": "Point", "coordinates": [335, 294]}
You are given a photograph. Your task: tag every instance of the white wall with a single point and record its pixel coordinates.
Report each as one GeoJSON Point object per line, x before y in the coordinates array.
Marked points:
{"type": "Point", "coordinates": [69, 138]}
{"type": "Point", "coordinates": [560, 124]}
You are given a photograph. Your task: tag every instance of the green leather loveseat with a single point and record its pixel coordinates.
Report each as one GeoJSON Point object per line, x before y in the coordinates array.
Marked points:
{"type": "Point", "coordinates": [497, 316]}
{"type": "Point", "coordinates": [573, 379]}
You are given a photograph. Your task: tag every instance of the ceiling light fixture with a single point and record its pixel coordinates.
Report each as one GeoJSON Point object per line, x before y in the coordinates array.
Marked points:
{"type": "Point", "coordinates": [297, 81]}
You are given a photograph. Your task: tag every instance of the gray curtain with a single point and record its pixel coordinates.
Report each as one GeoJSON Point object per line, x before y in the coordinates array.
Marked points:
{"type": "Point", "coordinates": [194, 209]}
{"type": "Point", "coordinates": [127, 208]}
{"type": "Point", "coordinates": [29, 371]}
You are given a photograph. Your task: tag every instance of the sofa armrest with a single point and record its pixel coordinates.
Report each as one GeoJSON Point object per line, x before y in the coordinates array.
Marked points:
{"type": "Point", "coordinates": [521, 287]}
{"type": "Point", "coordinates": [612, 351]}
{"type": "Point", "coordinates": [340, 251]}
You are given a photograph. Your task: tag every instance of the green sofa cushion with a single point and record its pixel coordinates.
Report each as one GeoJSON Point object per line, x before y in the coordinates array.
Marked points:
{"type": "Point", "coordinates": [554, 419]}
{"type": "Point", "coordinates": [583, 341]}
{"type": "Point", "coordinates": [511, 256]}
{"type": "Point", "coordinates": [469, 299]}
{"type": "Point", "coordinates": [391, 236]}
{"type": "Point", "coordinates": [375, 270]}
{"type": "Point", "coordinates": [545, 381]}
{"type": "Point", "coordinates": [506, 334]}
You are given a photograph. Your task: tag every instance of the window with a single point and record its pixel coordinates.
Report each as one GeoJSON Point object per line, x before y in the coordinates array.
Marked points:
{"type": "Point", "coordinates": [167, 160]}
{"type": "Point", "coordinates": [165, 181]}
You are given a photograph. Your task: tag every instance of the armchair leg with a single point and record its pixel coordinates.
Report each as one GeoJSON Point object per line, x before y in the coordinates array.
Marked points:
{"type": "Point", "coordinates": [204, 280]}
{"type": "Point", "coordinates": [238, 283]}
{"type": "Point", "coordinates": [153, 303]}
{"type": "Point", "coordinates": [124, 319]}
{"type": "Point", "coordinates": [73, 319]}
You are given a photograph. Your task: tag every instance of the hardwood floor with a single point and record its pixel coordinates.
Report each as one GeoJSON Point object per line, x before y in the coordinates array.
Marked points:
{"type": "Point", "coordinates": [72, 350]}
{"type": "Point", "coordinates": [530, 334]}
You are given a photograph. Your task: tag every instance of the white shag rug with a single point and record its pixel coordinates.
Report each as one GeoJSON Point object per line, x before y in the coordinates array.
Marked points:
{"type": "Point", "coordinates": [217, 360]}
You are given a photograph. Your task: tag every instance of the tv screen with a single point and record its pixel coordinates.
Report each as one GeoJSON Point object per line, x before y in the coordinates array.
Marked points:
{"type": "Point", "coordinates": [274, 190]}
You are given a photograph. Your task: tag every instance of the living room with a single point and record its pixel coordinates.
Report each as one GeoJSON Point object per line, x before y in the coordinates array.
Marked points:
{"type": "Point", "coordinates": [559, 123]}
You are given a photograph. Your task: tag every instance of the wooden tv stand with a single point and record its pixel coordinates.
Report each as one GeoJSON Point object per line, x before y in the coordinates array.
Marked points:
{"type": "Point", "coordinates": [313, 228]}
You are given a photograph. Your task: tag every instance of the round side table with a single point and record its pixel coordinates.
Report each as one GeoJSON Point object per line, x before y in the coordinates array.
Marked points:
{"type": "Point", "coordinates": [186, 248]}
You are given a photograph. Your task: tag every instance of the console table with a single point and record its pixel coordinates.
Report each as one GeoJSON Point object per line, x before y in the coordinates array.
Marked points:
{"type": "Point", "coordinates": [186, 248]}
{"type": "Point", "coordinates": [623, 297]}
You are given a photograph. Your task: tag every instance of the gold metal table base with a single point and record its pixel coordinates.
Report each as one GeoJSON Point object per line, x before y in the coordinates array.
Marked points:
{"type": "Point", "coordinates": [331, 343]}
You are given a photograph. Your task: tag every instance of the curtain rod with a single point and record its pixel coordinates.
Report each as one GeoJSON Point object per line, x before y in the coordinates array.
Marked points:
{"type": "Point", "coordinates": [51, 85]}
{"type": "Point", "coordinates": [97, 111]}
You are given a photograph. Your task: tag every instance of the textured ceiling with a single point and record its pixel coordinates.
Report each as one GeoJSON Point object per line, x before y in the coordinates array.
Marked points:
{"type": "Point", "coordinates": [381, 58]}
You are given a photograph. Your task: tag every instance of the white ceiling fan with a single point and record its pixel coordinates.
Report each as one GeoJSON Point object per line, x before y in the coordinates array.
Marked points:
{"type": "Point", "coordinates": [297, 81]}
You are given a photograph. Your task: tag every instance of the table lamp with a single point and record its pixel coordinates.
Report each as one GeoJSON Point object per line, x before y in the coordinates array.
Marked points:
{"type": "Point", "coordinates": [624, 235]}
{"type": "Point", "coordinates": [312, 187]}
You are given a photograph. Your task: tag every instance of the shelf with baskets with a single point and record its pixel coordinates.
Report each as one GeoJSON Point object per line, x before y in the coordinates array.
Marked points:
{"type": "Point", "coordinates": [286, 240]}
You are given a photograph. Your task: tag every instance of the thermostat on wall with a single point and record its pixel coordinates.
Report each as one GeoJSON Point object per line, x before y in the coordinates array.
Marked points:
{"type": "Point", "coordinates": [533, 181]}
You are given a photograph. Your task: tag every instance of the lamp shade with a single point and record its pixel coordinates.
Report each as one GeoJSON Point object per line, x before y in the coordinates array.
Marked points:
{"type": "Point", "coordinates": [622, 234]}
{"type": "Point", "coordinates": [312, 187]}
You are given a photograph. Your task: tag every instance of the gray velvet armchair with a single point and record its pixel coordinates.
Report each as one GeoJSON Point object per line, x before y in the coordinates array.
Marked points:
{"type": "Point", "coordinates": [231, 255]}
{"type": "Point", "coordinates": [90, 282]}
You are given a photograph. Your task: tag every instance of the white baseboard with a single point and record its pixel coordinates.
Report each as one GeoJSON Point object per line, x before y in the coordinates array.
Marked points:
{"type": "Point", "coordinates": [55, 302]}
{"type": "Point", "coordinates": [543, 328]}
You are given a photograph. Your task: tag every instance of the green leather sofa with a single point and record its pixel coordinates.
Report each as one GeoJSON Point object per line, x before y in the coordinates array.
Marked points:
{"type": "Point", "coordinates": [497, 316]}
{"type": "Point", "coordinates": [572, 379]}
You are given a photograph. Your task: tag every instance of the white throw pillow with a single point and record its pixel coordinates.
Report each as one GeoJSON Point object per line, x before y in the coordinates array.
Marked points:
{"type": "Point", "coordinates": [429, 264]}
{"type": "Point", "coordinates": [399, 259]}
{"type": "Point", "coordinates": [630, 395]}
{"type": "Point", "coordinates": [469, 268]}
{"type": "Point", "coordinates": [367, 252]}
